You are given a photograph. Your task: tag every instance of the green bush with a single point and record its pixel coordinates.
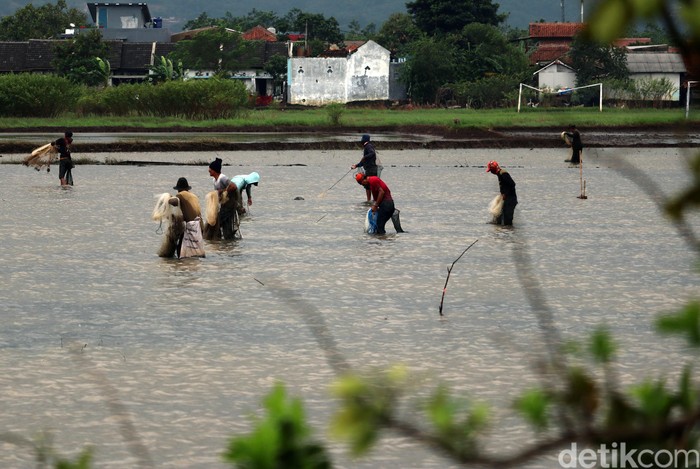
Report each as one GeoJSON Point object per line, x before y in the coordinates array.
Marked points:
{"type": "Point", "coordinates": [120, 100]}
{"type": "Point", "coordinates": [335, 112]}
{"type": "Point", "coordinates": [490, 92]}
{"type": "Point", "coordinates": [195, 99]}
{"type": "Point", "coordinates": [90, 104]}
{"type": "Point", "coordinates": [34, 95]}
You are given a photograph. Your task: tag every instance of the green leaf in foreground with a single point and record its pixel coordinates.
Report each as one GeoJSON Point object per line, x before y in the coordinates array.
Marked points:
{"type": "Point", "coordinates": [280, 439]}
{"type": "Point", "coordinates": [533, 405]}
{"type": "Point", "coordinates": [685, 322]}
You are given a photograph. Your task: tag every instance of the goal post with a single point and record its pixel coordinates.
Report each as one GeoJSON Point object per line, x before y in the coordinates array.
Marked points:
{"type": "Point", "coordinates": [691, 84]}
{"type": "Point", "coordinates": [561, 91]}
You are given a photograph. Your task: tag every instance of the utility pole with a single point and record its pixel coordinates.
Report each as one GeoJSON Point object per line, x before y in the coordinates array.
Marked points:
{"type": "Point", "coordinates": [563, 18]}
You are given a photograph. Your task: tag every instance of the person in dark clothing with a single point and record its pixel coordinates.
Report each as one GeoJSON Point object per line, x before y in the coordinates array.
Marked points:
{"type": "Point", "coordinates": [573, 138]}
{"type": "Point", "coordinates": [507, 188]}
{"type": "Point", "coordinates": [65, 163]}
{"type": "Point", "coordinates": [368, 161]}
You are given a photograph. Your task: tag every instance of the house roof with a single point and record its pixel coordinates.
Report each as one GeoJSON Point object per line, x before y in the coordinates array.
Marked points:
{"type": "Point", "coordinates": [144, 9]}
{"type": "Point", "coordinates": [350, 48]}
{"type": "Point", "coordinates": [190, 33]}
{"type": "Point", "coordinates": [554, 30]}
{"type": "Point", "coordinates": [37, 55]}
{"type": "Point", "coordinates": [259, 33]}
{"type": "Point", "coordinates": [655, 62]}
{"type": "Point", "coordinates": [628, 41]}
{"type": "Point", "coordinates": [556, 62]}
{"type": "Point", "coordinates": [40, 54]}
{"type": "Point", "coordinates": [13, 56]}
{"type": "Point", "coordinates": [546, 53]}
{"type": "Point", "coordinates": [137, 55]}
{"type": "Point", "coordinates": [262, 51]}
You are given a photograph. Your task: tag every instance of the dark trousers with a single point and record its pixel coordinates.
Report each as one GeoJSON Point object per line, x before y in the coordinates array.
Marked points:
{"type": "Point", "coordinates": [576, 155]}
{"type": "Point", "coordinates": [384, 213]}
{"type": "Point", "coordinates": [508, 211]}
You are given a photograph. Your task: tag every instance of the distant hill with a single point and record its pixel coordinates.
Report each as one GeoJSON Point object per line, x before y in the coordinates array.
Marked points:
{"type": "Point", "coordinates": [176, 13]}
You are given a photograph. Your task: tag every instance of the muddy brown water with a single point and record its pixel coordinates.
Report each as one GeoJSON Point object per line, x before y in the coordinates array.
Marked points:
{"type": "Point", "coordinates": [91, 316]}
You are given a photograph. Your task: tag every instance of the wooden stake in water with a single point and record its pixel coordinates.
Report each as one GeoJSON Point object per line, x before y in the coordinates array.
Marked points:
{"type": "Point", "coordinates": [583, 182]}
{"type": "Point", "coordinates": [449, 271]}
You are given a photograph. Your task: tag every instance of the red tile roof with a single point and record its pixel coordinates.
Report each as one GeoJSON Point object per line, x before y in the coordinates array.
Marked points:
{"type": "Point", "coordinates": [549, 53]}
{"type": "Point", "coordinates": [258, 33]}
{"type": "Point", "coordinates": [626, 41]}
{"type": "Point", "coordinates": [552, 30]}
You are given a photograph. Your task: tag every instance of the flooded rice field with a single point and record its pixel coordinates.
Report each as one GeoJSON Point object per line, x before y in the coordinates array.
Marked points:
{"type": "Point", "coordinates": [98, 331]}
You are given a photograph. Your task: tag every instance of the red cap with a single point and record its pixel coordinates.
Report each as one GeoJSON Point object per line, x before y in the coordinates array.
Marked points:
{"type": "Point", "coordinates": [359, 177]}
{"type": "Point", "coordinates": [491, 165]}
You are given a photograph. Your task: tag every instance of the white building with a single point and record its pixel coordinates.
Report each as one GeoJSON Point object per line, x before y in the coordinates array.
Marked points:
{"type": "Point", "coordinates": [656, 66]}
{"type": "Point", "coordinates": [363, 75]}
{"type": "Point", "coordinates": [555, 76]}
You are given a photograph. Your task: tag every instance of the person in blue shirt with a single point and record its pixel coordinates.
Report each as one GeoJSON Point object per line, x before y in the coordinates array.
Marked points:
{"type": "Point", "coordinates": [245, 182]}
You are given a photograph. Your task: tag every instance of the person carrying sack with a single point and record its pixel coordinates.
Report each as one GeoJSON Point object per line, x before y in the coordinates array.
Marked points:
{"type": "Point", "coordinates": [191, 243]}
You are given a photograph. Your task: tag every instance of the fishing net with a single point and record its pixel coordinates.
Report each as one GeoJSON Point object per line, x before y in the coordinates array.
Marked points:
{"type": "Point", "coordinates": [222, 218]}
{"type": "Point", "coordinates": [41, 157]}
{"type": "Point", "coordinates": [496, 207]}
{"type": "Point", "coordinates": [172, 224]}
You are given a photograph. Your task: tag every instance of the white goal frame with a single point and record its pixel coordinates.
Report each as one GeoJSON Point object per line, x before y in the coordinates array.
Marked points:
{"type": "Point", "coordinates": [687, 97]}
{"type": "Point", "coordinates": [600, 96]}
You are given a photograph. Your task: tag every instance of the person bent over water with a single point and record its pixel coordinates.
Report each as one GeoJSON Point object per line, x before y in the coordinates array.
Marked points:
{"type": "Point", "coordinates": [245, 182]}
{"type": "Point", "coordinates": [383, 204]}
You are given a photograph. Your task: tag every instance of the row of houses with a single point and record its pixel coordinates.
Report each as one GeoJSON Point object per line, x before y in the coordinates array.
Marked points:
{"type": "Point", "coordinates": [644, 60]}
{"type": "Point", "coordinates": [361, 71]}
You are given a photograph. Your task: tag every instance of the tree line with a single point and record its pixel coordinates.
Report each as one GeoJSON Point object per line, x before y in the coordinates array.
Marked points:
{"type": "Point", "coordinates": [456, 53]}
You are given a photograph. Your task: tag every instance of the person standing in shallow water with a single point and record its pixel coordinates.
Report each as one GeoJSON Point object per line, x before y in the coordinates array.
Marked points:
{"type": "Point", "coordinates": [368, 162]}
{"type": "Point", "coordinates": [383, 204]}
{"type": "Point", "coordinates": [573, 137]}
{"type": "Point", "coordinates": [229, 199]}
{"type": "Point", "coordinates": [190, 207]}
{"type": "Point", "coordinates": [65, 162]}
{"type": "Point", "coordinates": [507, 187]}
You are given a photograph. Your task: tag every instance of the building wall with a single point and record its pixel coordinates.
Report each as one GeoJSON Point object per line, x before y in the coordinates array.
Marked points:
{"type": "Point", "coordinates": [554, 79]}
{"type": "Point", "coordinates": [368, 73]}
{"type": "Point", "coordinates": [397, 89]}
{"type": "Point", "coordinates": [362, 76]}
{"type": "Point", "coordinates": [674, 78]}
{"type": "Point", "coordinates": [316, 81]}
{"type": "Point", "coordinates": [136, 35]}
{"type": "Point", "coordinates": [123, 17]}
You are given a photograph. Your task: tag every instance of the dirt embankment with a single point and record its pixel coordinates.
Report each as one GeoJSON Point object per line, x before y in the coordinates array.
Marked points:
{"type": "Point", "coordinates": [651, 136]}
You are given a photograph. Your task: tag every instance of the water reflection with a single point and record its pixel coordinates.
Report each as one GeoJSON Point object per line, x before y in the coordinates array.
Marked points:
{"type": "Point", "coordinates": [192, 345]}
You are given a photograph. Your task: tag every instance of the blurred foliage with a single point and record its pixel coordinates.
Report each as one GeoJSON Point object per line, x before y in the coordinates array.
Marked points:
{"type": "Point", "coordinates": [281, 439]}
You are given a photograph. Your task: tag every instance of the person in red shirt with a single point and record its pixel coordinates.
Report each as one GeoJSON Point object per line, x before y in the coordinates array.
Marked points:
{"type": "Point", "coordinates": [383, 203]}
